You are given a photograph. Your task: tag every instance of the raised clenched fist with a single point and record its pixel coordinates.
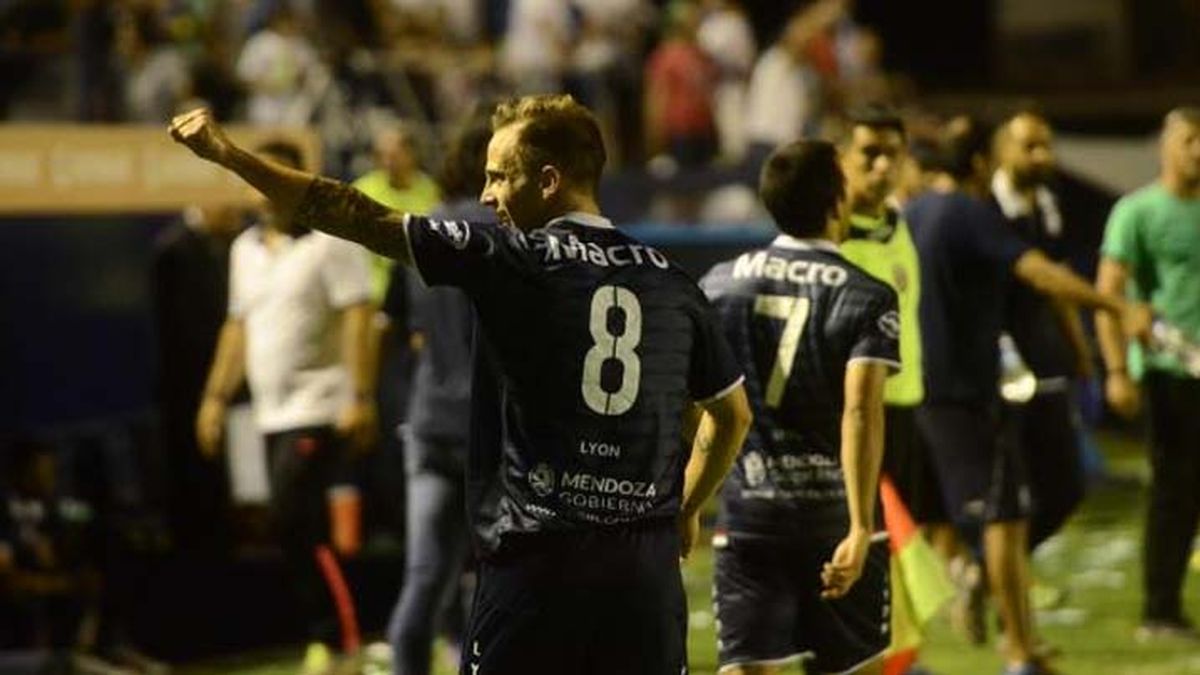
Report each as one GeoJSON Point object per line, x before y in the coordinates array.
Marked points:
{"type": "Point", "coordinates": [202, 135]}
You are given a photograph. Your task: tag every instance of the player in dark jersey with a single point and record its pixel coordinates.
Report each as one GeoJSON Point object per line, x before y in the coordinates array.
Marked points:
{"type": "Point", "coordinates": [580, 488]}
{"type": "Point", "coordinates": [797, 572]}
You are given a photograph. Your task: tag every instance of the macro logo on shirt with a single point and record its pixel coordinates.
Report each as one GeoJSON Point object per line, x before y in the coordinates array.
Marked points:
{"type": "Point", "coordinates": [755, 469]}
{"type": "Point", "coordinates": [458, 233]}
{"type": "Point", "coordinates": [889, 323]}
{"type": "Point", "coordinates": [541, 479]}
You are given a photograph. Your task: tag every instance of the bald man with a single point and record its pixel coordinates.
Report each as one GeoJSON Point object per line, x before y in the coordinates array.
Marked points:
{"type": "Point", "coordinates": [1047, 331]}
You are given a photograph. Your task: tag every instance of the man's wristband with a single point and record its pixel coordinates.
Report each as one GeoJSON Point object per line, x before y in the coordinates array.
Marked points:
{"type": "Point", "coordinates": [1117, 371]}
{"type": "Point", "coordinates": [214, 396]}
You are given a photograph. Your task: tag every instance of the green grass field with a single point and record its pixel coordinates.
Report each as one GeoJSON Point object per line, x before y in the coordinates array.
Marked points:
{"type": "Point", "coordinates": [1096, 558]}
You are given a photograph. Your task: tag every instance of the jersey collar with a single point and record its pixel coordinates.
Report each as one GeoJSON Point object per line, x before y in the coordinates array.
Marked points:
{"type": "Point", "coordinates": [788, 241]}
{"type": "Point", "coordinates": [1014, 207]}
{"type": "Point", "coordinates": [585, 219]}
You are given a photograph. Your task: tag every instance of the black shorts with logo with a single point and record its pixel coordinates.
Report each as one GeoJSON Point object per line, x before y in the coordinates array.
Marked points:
{"type": "Point", "coordinates": [770, 611]}
{"type": "Point", "coordinates": [599, 601]}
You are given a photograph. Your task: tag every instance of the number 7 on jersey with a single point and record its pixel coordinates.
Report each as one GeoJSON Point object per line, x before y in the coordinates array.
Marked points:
{"type": "Point", "coordinates": [794, 312]}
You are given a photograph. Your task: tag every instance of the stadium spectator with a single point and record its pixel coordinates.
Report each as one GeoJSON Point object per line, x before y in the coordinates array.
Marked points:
{"type": "Point", "coordinates": [396, 182]}
{"type": "Point", "coordinates": [439, 413]}
{"type": "Point", "coordinates": [298, 331]}
{"type": "Point", "coordinates": [968, 257]}
{"type": "Point", "coordinates": [157, 76]}
{"type": "Point", "coordinates": [554, 426]}
{"type": "Point", "coordinates": [726, 37]}
{"type": "Point", "coordinates": [1047, 332]}
{"type": "Point", "coordinates": [606, 69]}
{"type": "Point", "coordinates": [680, 83]}
{"type": "Point", "coordinates": [783, 103]}
{"type": "Point", "coordinates": [191, 294]}
{"type": "Point", "coordinates": [274, 66]}
{"type": "Point", "coordinates": [536, 44]}
{"type": "Point", "coordinates": [1151, 251]}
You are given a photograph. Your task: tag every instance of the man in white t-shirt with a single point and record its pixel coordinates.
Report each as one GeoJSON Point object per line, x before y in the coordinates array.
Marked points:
{"type": "Point", "coordinates": [297, 329]}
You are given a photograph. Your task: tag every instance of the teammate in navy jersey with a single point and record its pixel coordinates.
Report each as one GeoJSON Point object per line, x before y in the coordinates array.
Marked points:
{"type": "Point", "coordinates": [580, 487]}
{"type": "Point", "coordinates": [796, 570]}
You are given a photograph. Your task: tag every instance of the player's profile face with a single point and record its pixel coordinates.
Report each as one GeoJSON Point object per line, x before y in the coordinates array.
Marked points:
{"type": "Point", "coordinates": [1181, 149]}
{"type": "Point", "coordinates": [871, 162]}
{"type": "Point", "coordinates": [508, 188]}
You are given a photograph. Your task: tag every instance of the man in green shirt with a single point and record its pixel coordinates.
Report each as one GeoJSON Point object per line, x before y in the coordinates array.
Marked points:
{"type": "Point", "coordinates": [1151, 252]}
{"type": "Point", "coordinates": [878, 241]}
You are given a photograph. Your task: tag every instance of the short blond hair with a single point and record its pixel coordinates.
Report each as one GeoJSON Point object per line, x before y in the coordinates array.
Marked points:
{"type": "Point", "coordinates": [555, 130]}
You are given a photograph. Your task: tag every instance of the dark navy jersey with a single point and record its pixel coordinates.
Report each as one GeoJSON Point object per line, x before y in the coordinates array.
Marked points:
{"type": "Point", "coordinates": [796, 313]}
{"type": "Point", "coordinates": [593, 345]}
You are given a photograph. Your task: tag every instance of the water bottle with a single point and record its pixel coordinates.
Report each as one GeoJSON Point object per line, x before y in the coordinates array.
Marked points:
{"type": "Point", "coordinates": [1167, 338]}
{"type": "Point", "coordinates": [1018, 384]}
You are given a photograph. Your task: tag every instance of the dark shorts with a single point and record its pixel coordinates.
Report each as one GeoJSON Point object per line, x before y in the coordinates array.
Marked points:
{"type": "Point", "coordinates": [978, 463]}
{"type": "Point", "coordinates": [907, 462]}
{"type": "Point", "coordinates": [594, 602]}
{"type": "Point", "coordinates": [303, 464]}
{"type": "Point", "coordinates": [770, 610]}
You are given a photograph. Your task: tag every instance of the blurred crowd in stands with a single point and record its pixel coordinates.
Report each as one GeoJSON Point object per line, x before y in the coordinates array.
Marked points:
{"type": "Point", "coordinates": [678, 86]}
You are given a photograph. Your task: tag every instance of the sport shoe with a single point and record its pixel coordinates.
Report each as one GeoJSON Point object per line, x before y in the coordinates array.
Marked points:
{"type": "Point", "coordinates": [968, 607]}
{"type": "Point", "coordinates": [1167, 630]}
{"type": "Point", "coordinates": [318, 660]}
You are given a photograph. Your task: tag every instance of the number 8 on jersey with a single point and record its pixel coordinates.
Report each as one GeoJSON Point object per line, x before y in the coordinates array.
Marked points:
{"type": "Point", "coordinates": [606, 346]}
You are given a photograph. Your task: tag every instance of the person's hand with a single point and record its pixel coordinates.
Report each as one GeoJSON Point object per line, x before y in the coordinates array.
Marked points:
{"type": "Point", "coordinates": [202, 135]}
{"type": "Point", "coordinates": [1137, 321]}
{"type": "Point", "coordinates": [846, 566]}
{"type": "Point", "coordinates": [210, 426]}
{"type": "Point", "coordinates": [358, 424]}
{"type": "Point", "coordinates": [1122, 394]}
{"type": "Point", "coordinates": [689, 533]}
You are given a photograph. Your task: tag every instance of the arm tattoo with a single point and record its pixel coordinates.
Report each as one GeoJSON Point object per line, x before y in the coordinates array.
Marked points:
{"type": "Point", "coordinates": [342, 211]}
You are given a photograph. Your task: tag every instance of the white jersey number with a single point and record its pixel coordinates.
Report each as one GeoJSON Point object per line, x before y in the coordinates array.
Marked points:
{"type": "Point", "coordinates": [794, 312]}
{"type": "Point", "coordinates": [607, 346]}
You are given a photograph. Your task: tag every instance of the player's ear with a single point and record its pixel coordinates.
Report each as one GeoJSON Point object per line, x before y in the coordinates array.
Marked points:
{"type": "Point", "coordinates": [550, 181]}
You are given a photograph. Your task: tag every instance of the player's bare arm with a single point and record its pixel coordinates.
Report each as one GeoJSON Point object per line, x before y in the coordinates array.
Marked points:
{"type": "Point", "coordinates": [1066, 313]}
{"type": "Point", "coordinates": [1120, 390]}
{"type": "Point", "coordinates": [861, 456]}
{"type": "Point", "coordinates": [303, 199]}
{"type": "Point", "coordinates": [1053, 279]}
{"type": "Point", "coordinates": [719, 435]}
{"type": "Point", "coordinates": [358, 421]}
{"type": "Point", "coordinates": [226, 374]}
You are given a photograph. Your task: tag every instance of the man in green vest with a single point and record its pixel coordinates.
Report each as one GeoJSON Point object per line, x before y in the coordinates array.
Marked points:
{"type": "Point", "coordinates": [878, 241]}
{"type": "Point", "coordinates": [398, 183]}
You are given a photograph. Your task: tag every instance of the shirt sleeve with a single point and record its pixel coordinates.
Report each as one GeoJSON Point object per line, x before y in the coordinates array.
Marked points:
{"type": "Point", "coordinates": [237, 294]}
{"type": "Point", "coordinates": [878, 337]}
{"type": "Point", "coordinates": [346, 272]}
{"type": "Point", "coordinates": [987, 236]}
{"type": "Point", "coordinates": [713, 371]}
{"type": "Point", "coordinates": [460, 253]}
{"type": "Point", "coordinates": [1121, 241]}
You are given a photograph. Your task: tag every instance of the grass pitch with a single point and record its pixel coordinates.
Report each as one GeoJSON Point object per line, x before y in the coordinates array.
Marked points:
{"type": "Point", "coordinates": [1096, 559]}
